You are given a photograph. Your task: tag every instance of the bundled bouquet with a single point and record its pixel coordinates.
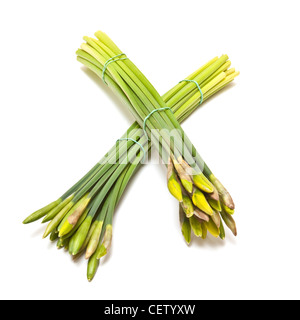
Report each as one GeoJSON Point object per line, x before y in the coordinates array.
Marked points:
{"type": "Point", "coordinates": [81, 219]}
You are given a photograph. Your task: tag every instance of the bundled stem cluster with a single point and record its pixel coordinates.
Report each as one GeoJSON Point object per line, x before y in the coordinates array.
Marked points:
{"type": "Point", "coordinates": [202, 208]}
{"type": "Point", "coordinates": [81, 219]}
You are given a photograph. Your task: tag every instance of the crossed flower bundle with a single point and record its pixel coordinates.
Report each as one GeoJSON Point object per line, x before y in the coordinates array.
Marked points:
{"type": "Point", "coordinates": [81, 219]}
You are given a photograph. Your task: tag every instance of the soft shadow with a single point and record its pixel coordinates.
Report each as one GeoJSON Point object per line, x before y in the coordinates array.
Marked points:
{"type": "Point", "coordinates": [106, 258]}
{"type": "Point", "coordinates": [39, 232]}
{"type": "Point", "coordinates": [78, 259]}
{"type": "Point", "coordinates": [212, 242]}
{"type": "Point", "coordinates": [230, 237]}
{"type": "Point", "coordinates": [51, 244]}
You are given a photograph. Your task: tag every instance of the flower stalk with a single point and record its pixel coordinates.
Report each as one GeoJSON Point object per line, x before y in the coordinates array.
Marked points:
{"type": "Point", "coordinates": [81, 219]}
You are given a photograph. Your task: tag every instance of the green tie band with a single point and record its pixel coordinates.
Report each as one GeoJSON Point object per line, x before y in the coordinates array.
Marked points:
{"type": "Point", "coordinates": [197, 84]}
{"type": "Point", "coordinates": [146, 119]}
{"type": "Point", "coordinates": [112, 60]}
{"type": "Point", "coordinates": [142, 148]}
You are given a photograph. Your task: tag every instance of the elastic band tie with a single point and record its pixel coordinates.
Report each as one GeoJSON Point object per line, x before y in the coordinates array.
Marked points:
{"type": "Point", "coordinates": [197, 84]}
{"type": "Point", "coordinates": [146, 119]}
{"type": "Point", "coordinates": [112, 60]}
{"type": "Point", "coordinates": [142, 148]}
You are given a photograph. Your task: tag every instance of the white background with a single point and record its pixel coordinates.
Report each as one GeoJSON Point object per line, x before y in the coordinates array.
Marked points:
{"type": "Point", "coordinates": [58, 120]}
